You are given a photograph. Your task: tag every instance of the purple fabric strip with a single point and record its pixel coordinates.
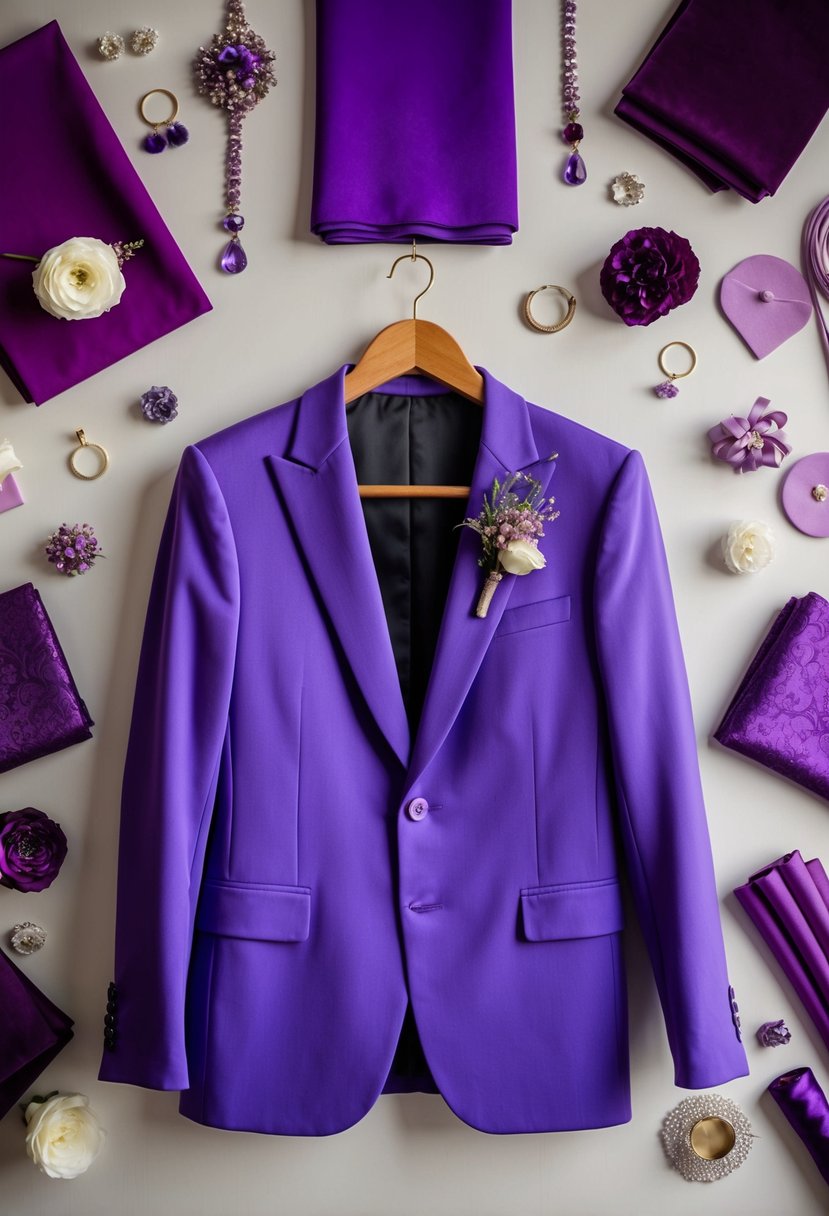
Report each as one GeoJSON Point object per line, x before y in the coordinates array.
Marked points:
{"type": "Point", "coordinates": [410, 144]}
{"type": "Point", "coordinates": [726, 122]}
{"type": "Point", "coordinates": [804, 1104]}
{"type": "Point", "coordinates": [73, 178]}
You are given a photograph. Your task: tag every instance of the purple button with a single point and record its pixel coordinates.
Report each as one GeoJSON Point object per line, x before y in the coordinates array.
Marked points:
{"type": "Point", "coordinates": [418, 808]}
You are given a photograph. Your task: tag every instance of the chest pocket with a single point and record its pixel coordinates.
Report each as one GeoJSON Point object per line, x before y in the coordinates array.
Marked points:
{"type": "Point", "coordinates": [534, 616]}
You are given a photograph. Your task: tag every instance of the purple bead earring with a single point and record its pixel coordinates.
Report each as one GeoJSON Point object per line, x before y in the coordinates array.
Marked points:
{"type": "Point", "coordinates": [176, 133]}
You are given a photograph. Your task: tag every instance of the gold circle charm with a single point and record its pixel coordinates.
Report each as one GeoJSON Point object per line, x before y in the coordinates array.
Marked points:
{"type": "Point", "coordinates": [568, 316]}
{"type": "Point", "coordinates": [155, 123]}
{"type": "Point", "coordinates": [677, 375]}
{"type": "Point", "coordinates": [102, 454]}
{"type": "Point", "coordinates": [712, 1138]}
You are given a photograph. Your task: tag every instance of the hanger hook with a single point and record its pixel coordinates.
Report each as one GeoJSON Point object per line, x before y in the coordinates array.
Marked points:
{"type": "Point", "coordinates": [414, 256]}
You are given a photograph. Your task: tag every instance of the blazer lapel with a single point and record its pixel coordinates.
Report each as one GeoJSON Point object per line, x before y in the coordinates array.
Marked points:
{"type": "Point", "coordinates": [507, 446]}
{"type": "Point", "coordinates": [318, 482]}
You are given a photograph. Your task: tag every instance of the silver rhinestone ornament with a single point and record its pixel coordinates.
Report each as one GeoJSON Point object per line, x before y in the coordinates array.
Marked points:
{"type": "Point", "coordinates": [143, 40]}
{"type": "Point", "coordinates": [110, 46]}
{"type": "Point", "coordinates": [678, 1133]}
{"type": "Point", "coordinates": [27, 938]}
{"type": "Point", "coordinates": [627, 190]}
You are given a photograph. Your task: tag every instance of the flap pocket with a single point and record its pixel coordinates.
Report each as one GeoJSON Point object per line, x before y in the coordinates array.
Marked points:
{"type": "Point", "coordinates": [254, 910]}
{"type": "Point", "coordinates": [577, 909]}
{"type": "Point", "coordinates": [533, 616]}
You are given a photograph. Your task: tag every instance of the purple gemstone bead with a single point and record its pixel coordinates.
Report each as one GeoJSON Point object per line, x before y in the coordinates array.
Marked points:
{"type": "Point", "coordinates": [572, 132]}
{"type": "Point", "coordinates": [154, 143]}
{"type": "Point", "coordinates": [234, 258]}
{"type": "Point", "coordinates": [233, 223]}
{"type": "Point", "coordinates": [666, 390]}
{"type": "Point", "coordinates": [575, 173]}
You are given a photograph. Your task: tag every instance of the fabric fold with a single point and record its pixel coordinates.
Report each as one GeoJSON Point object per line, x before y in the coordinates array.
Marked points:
{"type": "Point", "coordinates": [34, 1031]}
{"type": "Point", "coordinates": [803, 1102]}
{"type": "Point", "coordinates": [415, 143]}
{"type": "Point", "coordinates": [734, 91]}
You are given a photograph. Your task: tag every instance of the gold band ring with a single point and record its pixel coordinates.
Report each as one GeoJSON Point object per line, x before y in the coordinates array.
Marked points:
{"type": "Point", "coordinates": [677, 375]}
{"type": "Point", "coordinates": [568, 316]}
{"type": "Point", "coordinates": [161, 122]}
{"type": "Point", "coordinates": [103, 457]}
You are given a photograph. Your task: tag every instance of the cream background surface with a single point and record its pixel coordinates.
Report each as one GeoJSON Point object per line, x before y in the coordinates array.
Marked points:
{"type": "Point", "coordinates": [300, 310]}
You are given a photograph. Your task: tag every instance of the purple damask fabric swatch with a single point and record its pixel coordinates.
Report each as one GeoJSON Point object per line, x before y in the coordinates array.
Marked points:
{"type": "Point", "coordinates": [41, 710]}
{"type": "Point", "coordinates": [33, 1032]}
{"type": "Point", "coordinates": [780, 713]}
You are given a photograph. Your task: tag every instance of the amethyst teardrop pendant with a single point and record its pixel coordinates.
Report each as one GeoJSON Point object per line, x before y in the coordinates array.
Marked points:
{"type": "Point", "coordinates": [234, 258]}
{"type": "Point", "coordinates": [575, 172]}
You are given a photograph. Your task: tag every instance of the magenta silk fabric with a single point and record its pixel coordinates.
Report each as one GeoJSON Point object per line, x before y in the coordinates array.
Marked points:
{"type": "Point", "coordinates": [780, 713]}
{"type": "Point", "coordinates": [803, 1102]}
{"type": "Point", "coordinates": [734, 90]}
{"type": "Point", "coordinates": [32, 1032]}
{"type": "Point", "coordinates": [41, 710]}
{"type": "Point", "coordinates": [415, 122]}
{"type": "Point", "coordinates": [66, 174]}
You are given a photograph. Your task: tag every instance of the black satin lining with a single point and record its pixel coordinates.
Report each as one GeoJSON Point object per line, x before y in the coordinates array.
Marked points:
{"type": "Point", "coordinates": [399, 439]}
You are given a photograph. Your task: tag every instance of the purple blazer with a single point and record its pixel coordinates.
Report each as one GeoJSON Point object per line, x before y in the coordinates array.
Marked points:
{"type": "Point", "coordinates": [371, 842]}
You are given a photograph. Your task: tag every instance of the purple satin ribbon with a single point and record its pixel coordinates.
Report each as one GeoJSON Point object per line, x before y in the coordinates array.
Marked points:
{"type": "Point", "coordinates": [804, 1104]}
{"type": "Point", "coordinates": [746, 443]}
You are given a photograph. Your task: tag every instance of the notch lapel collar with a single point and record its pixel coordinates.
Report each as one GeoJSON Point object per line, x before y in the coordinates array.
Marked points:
{"type": "Point", "coordinates": [318, 483]}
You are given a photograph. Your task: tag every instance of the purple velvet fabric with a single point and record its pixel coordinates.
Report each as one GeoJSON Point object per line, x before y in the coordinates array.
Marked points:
{"type": "Point", "coordinates": [66, 174]}
{"type": "Point", "coordinates": [279, 903]}
{"type": "Point", "coordinates": [803, 1102]}
{"type": "Point", "coordinates": [32, 1032]}
{"type": "Point", "coordinates": [789, 904]}
{"type": "Point", "coordinates": [734, 91]}
{"type": "Point", "coordinates": [415, 124]}
{"type": "Point", "coordinates": [779, 715]}
{"type": "Point", "coordinates": [41, 710]}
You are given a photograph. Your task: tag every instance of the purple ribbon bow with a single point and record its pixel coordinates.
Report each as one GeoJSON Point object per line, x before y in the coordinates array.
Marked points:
{"type": "Point", "coordinates": [748, 443]}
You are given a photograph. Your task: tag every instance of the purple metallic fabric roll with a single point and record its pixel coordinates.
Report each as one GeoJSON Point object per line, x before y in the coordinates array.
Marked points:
{"type": "Point", "coordinates": [734, 91]}
{"type": "Point", "coordinates": [68, 175]}
{"type": "Point", "coordinates": [788, 901]}
{"type": "Point", "coordinates": [804, 1104]}
{"type": "Point", "coordinates": [40, 708]}
{"type": "Point", "coordinates": [780, 713]}
{"type": "Point", "coordinates": [33, 1032]}
{"type": "Point", "coordinates": [415, 126]}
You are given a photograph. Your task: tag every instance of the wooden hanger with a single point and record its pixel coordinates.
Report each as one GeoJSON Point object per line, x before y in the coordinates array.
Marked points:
{"type": "Point", "coordinates": [414, 346]}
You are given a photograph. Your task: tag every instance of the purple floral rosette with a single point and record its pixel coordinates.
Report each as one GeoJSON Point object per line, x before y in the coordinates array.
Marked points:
{"type": "Point", "coordinates": [648, 273]}
{"type": "Point", "coordinates": [32, 850]}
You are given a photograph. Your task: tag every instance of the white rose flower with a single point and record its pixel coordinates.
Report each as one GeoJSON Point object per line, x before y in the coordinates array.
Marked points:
{"type": "Point", "coordinates": [8, 461]}
{"type": "Point", "coordinates": [748, 546]}
{"type": "Point", "coordinates": [64, 1135]}
{"type": "Point", "coordinates": [79, 279]}
{"type": "Point", "coordinates": [520, 557]}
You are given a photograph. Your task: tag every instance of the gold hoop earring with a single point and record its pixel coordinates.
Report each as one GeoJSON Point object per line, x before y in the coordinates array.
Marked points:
{"type": "Point", "coordinates": [668, 388]}
{"type": "Point", "coordinates": [568, 316]}
{"type": "Point", "coordinates": [102, 453]}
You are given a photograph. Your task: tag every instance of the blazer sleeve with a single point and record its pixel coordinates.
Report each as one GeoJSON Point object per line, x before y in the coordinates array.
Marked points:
{"type": "Point", "coordinates": [662, 815]}
{"type": "Point", "coordinates": [178, 728]}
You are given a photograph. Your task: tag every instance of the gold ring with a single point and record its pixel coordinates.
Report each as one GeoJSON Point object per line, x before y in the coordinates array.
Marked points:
{"type": "Point", "coordinates": [103, 456]}
{"type": "Point", "coordinates": [161, 122]}
{"type": "Point", "coordinates": [677, 375]}
{"type": "Point", "coordinates": [568, 316]}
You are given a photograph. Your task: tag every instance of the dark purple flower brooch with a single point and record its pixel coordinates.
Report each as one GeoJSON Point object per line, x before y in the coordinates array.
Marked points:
{"type": "Point", "coordinates": [32, 849]}
{"type": "Point", "coordinates": [648, 273]}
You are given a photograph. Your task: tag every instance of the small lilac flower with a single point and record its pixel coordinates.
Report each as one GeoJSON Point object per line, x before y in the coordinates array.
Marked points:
{"type": "Point", "coordinates": [159, 404]}
{"type": "Point", "coordinates": [774, 1034]}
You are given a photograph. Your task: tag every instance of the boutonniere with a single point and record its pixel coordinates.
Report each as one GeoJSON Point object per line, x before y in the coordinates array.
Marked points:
{"type": "Point", "coordinates": [510, 526]}
{"type": "Point", "coordinates": [81, 278]}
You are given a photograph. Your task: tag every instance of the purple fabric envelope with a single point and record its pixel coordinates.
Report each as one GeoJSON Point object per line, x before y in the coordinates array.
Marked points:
{"type": "Point", "coordinates": [72, 177]}
{"type": "Point", "coordinates": [33, 1032]}
{"type": "Point", "coordinates": [41, 710]}
{"type": "Point", "coordinates": [415, 126]}
{"type": "Point", "coordinates": [734, 91]}
{"type": "Point", "coordinates": [780, 713]}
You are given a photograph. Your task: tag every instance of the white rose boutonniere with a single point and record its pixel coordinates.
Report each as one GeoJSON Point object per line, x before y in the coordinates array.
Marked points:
{"type": "Point", "coordinates": [81, 278]}
{"type": "Point", "coordinates": [748, 546]}
{"type": "Point", "coordinates": [8, 461]}
{"type": "Point", "coordinates": [64, 1136]}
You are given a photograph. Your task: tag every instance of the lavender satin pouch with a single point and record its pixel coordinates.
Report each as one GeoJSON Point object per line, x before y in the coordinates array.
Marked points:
{"type": "Point", "coordinates": [41, 710]}
{"type": "Point", "coordinates": [33, 1032]}
{"type": "Point", "coordinates": [780, 713]}
{"type": "Point", "coordinates": [804, 1104]}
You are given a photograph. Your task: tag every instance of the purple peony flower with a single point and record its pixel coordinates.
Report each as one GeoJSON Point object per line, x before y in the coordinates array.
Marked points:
{"type": "Point", "coordinates": [749, 443]}
{"type": "Point", "coordinates": [647, 273]}
{"type": "Point", "coordinates": [32, 849]}
{"type": "Point", "coordinates": [159, 404]}
{"type": "Point", "coordinates": [73, 549]}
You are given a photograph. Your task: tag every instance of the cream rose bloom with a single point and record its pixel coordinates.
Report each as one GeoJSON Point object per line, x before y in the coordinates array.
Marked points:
{"type": "Point", "coordinates": [8, 461]}
{"type": "Point", "coordinates": [520, 557]}
{"type": "Point", "coordinates": [748, 546]}
{"type": "Point", "coordinates": [79, 279]}
{"type": "Point", "coordinates": [64, 1135]}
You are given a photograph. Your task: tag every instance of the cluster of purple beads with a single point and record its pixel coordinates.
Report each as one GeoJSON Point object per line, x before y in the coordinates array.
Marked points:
{"type": "Point", "coordinates": [73, 549]}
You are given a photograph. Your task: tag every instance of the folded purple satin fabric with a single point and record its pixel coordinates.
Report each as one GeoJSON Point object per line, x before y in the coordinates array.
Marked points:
{"type": "Point", "coordinates": [780, 713]}
{"type": "Point", "coordinates": [33, 1031]}
{"type": "Point", "coordinates": [41, 710]}
{"type": "Point", "coordinates": [804, 1104]}
{"type": "Point", "coordinates": [68, 175]}
{"type": "Point", "coordinates": [415, 126]}
{"type": "Point", "coordinates": [789, 904]}
{"type": "Point", "coordinates": [734, 91]}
